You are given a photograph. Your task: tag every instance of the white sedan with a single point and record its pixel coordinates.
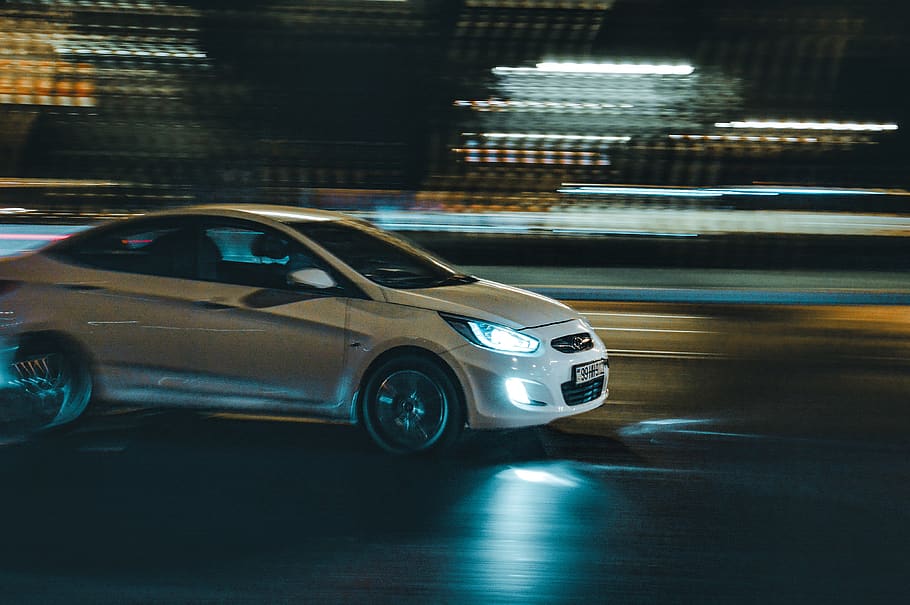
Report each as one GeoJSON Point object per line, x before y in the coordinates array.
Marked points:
{"type": "Point", "coordinates": [288, 311]}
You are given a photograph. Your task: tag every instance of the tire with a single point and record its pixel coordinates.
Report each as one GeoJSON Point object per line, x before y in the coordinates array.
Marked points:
{"type": "Point", "coordinates": [53, 380]}
{"type": "Point", "coordinates": [410, 404]}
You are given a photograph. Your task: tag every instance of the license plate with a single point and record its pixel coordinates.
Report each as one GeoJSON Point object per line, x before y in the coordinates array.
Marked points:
{"type": "Point", "coordinates": [589, 371]}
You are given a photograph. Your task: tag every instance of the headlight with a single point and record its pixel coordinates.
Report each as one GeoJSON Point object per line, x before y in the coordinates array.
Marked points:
{"type": "Point", "coordinates": [493, 336]}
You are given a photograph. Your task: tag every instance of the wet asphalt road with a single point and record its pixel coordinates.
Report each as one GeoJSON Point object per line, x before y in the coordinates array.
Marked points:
{"type": "Point", "coordinates": [747, 455]}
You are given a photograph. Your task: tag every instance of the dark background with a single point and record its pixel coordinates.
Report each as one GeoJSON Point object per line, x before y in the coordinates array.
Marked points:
{"type": "Point", "coordinates": [288, 97]}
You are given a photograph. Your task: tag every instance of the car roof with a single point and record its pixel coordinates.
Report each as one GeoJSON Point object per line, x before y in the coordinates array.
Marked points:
{"type": "Point", "coordinates": [282, 214]}
{"type": "Point", "coordinates": [267, 212]}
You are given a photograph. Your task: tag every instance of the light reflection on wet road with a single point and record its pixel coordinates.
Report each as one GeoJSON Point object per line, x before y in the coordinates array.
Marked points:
{"type": "Point", "coordinates": [767, 464]}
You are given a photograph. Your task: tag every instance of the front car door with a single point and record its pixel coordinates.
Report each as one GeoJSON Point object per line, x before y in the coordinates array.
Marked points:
{"type": "Point", "coordinates": [261, 341]}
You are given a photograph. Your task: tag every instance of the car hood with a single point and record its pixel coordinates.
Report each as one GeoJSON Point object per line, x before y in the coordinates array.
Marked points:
{"type": "Point", "coordinates": [489, 301]}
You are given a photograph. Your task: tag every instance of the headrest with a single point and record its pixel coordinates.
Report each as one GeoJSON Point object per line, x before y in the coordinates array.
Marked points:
{"type": "Point", "coordinates": [269, 246]}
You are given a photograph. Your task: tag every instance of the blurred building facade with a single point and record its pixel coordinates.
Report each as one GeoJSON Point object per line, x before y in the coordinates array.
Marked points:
{"type": "Point", "coordinates": [447, 103]}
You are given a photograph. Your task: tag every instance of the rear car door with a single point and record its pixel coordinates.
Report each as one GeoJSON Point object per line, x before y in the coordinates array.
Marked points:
{"type": "Point", "coordinates": [132, 296]}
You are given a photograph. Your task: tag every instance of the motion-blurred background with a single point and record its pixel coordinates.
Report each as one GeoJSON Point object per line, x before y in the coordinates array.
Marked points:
{"type": "Point", "coordinates": [701, 133]}
{"type": "Point", "coordinates": [668, 167]}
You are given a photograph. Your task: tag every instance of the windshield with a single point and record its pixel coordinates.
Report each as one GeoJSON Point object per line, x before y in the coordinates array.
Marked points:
{"type": "Point", "coordinates": [381, 257]}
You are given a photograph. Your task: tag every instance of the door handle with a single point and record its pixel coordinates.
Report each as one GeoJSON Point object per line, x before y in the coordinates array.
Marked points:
{"type": "Point", "coordinates": [82, 287]}
{"type": "Point", "coordinates": [211, 304]}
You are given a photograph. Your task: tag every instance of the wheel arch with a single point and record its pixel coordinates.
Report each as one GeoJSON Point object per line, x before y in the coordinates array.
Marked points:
{"type": "Point", "coordinates": [403, 351]}
{"type": "Point", "coordinates": [78, 391]}
{"type": "Point", "coordinates": [68, 342]}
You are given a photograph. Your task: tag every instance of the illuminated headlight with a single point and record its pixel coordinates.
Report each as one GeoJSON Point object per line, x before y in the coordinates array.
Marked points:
{"type": "Point", "coordinates": [493, 336]}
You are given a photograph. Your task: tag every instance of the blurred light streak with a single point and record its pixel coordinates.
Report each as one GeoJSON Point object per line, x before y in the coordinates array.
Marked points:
{"type": "Point", "coordinates": [625, 190]}
{"type": "Point", "coordinates": [497, 222]}
{"type": "Point", "coordinates": [587, 5]}
{"type": "Point", "coordinates": [655, 330]}
{"type": "Point", "coordinates": [801, 191]}
{"type": "Point", "coordinates": [133, 51]}
{"type": "Point", "coordinates": [652, 354]}
{"type": "Point", "coordinates": [156, 7]}
{"type": "Point", "coordinates": [760, 190]}
{"type": "Point", "coordinates": [780, 125]}
{"type": "Point", "coordinates": [466, 228]}
{"type": "Point", "coordinates": [32, 236]}
{"type": "Point", "coordinates": [722, 434]}
{"type": "Point", "coordinates": [734, 137]}
{"type": "Point", "coordinates": [531, 156]}
{"type": "Point", "coordinates": [19, 238]}
{"type": "Point", "coordinates": [648, 427]}
{"type": "Point", "coordinates": [594, 231]}
{"type": "Point", "coordinates": [508, 104]}
{"type": "Point", "coordinates": [748, 192]}
{"type": "Point", "coordinates": [617, 68]}
{"type": "Point", "coordinates": [618, 468]}
{"type": "Point", "coordinates": [30, 182]}
{"type": "Point", "coordinates": [551, 136]}
{"type": "Point", "coordinates": [601, 68]}
{"type": "Point", "coordinates": [271, 418]}
{"type": "Point", "coordinates": [644, 221]}
{"type": "Point", "coordinates": [645, 315]}
{"type": "Point", "coordinates": [675, 421]}
{"type": "Point", "coordinates": [721, 295]}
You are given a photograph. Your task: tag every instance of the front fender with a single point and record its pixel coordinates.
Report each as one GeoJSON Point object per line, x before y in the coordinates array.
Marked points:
{"type": "Point", "coordinates": [375, 328]}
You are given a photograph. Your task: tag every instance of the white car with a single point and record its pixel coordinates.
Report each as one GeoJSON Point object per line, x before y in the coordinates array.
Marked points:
{"type": "Point", "coordinates": [287, 311]}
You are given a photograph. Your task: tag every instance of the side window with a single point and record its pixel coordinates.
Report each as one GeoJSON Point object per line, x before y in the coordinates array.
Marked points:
{"type": "Point", "coordinates": [202, 248]}
{"type": "Point", "coordinates": [163, 249]}
{"type": "Point", "coordinates": [257, 257]}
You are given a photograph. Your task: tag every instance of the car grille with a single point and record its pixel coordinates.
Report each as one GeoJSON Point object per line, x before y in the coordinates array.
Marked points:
{"type": "Point", "coordinates": [573, 343]}
{"type": "Point", "coordinates": [577, 395]}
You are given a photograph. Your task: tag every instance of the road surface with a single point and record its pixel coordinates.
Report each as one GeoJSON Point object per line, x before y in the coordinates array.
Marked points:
{"type": "Point", "coordinates": [746, 455]}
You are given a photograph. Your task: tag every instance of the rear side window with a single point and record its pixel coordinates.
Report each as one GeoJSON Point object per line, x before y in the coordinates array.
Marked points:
{"type": "Point", "coordinates": [164, 249]}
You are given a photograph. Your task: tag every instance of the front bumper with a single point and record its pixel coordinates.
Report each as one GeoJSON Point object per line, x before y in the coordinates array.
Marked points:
{"type": "Point", "coordinates": [485, 375]}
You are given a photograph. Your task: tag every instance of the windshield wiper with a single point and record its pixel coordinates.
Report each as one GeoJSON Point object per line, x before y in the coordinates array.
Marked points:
{"type": "Point", "coordinates": [397, 278]}
{"type": "Point", "coordinates": [457, 279]}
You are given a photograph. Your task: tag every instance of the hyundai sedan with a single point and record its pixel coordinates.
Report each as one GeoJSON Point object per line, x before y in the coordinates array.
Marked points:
{"type": "Point", "coordinates": [287, 311]}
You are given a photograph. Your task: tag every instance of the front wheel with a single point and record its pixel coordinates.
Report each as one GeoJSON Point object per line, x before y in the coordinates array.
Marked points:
{"type": "Point", "coordinates": [53, 381]}
{"type": "Point", "coordinates": [410, 404]}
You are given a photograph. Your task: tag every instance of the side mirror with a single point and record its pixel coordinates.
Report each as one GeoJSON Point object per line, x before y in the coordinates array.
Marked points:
{"type": "Point", "coordinates": [313, 278]}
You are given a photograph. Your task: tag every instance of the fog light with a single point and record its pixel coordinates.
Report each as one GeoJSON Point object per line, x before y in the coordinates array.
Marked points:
{"type": "Point", "coordinates": [517, 391]}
